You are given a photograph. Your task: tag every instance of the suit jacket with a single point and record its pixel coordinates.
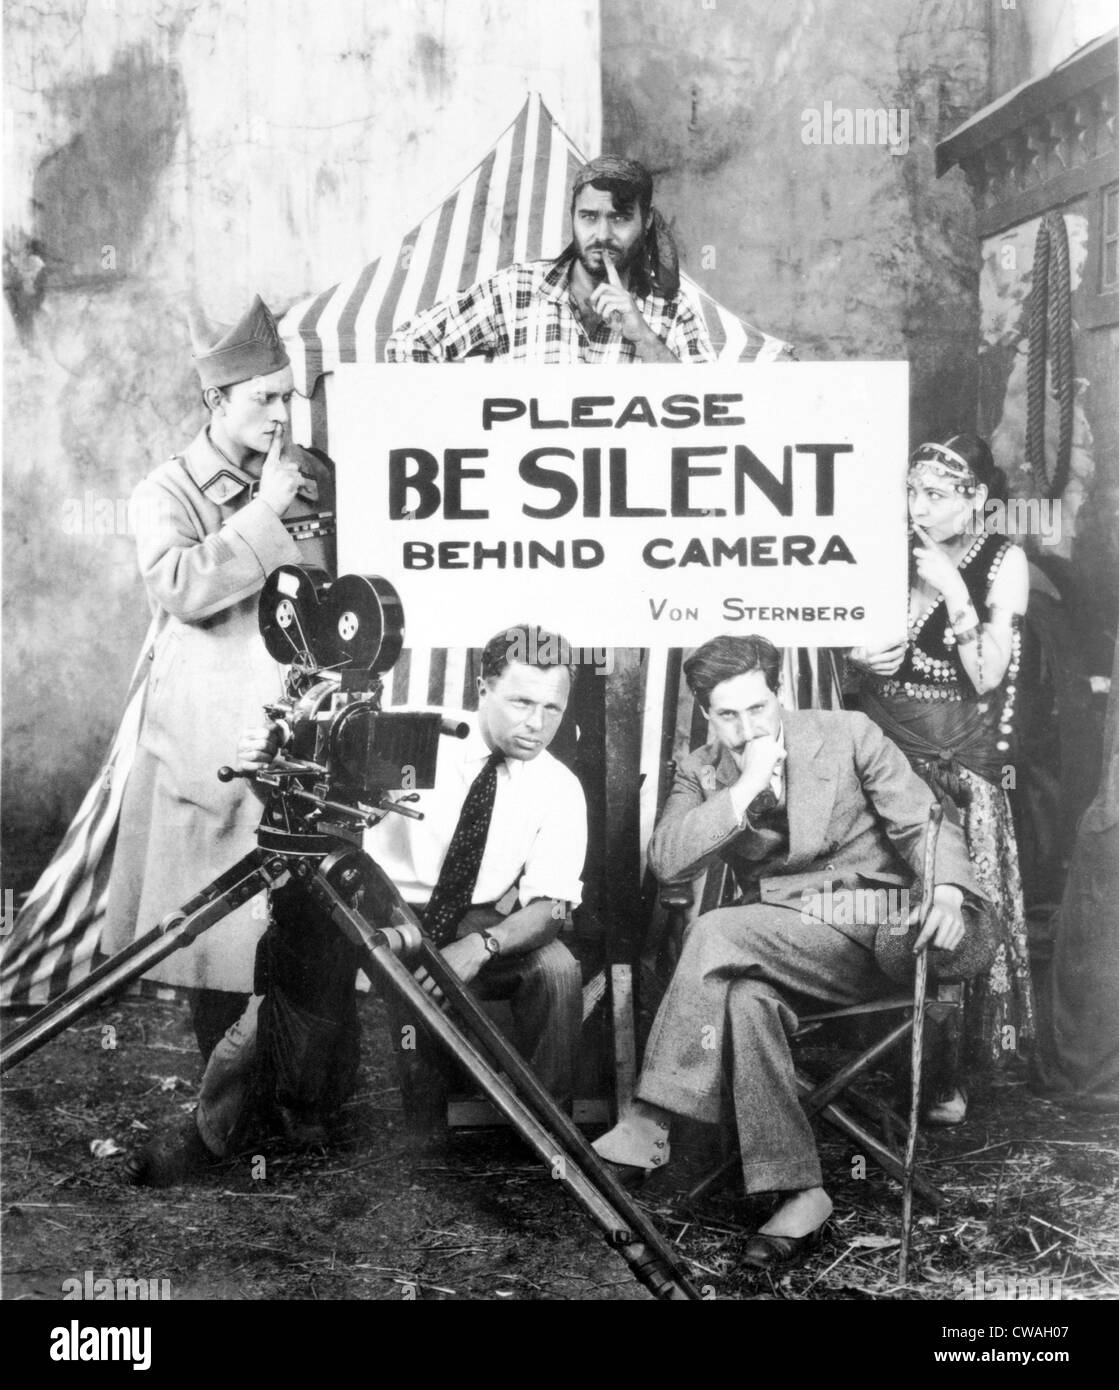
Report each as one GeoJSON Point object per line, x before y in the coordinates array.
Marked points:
{"type": "Point", "coordinates": [857, 811]}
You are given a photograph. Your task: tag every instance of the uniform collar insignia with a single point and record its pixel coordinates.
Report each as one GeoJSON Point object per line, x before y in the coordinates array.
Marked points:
{"type": "Point", "coordinates": [221, 479]}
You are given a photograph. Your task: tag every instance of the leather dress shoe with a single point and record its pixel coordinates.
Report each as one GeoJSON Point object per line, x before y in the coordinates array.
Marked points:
{"type": "Point", "coordinates": [170, 1159]}
{"type": "Point", "coordinates": [770, 1252]}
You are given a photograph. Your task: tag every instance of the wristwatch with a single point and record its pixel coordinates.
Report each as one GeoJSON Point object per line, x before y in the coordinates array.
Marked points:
{"type": "Point", "coordinates": [491, 943]}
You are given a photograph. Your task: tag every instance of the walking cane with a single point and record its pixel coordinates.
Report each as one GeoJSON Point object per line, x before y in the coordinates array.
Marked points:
{"type": "Point", "coordinates": [920, 983]}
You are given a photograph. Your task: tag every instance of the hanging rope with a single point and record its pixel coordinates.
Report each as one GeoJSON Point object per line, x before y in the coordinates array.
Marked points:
{"type": "Point", "coordinates": [1050, 333]}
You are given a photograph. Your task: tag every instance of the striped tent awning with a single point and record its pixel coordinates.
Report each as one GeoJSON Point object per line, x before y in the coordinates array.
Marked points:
{"type": "Point", "coordinates": [513, 206]}
{"type": "Point", "coordinates": [54, 939]}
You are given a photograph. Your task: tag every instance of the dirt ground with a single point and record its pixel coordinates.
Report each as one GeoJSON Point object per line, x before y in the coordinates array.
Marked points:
{"type": "Point", "coordinates": [1030, 1188]}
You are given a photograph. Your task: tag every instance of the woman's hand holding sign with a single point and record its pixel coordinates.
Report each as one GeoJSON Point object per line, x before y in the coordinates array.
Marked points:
{"type": "Point", "coordinates": [883, 661]}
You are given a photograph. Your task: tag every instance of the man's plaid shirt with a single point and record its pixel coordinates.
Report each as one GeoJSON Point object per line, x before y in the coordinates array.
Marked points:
{"type": "Point", "coordinates": [524, 313]}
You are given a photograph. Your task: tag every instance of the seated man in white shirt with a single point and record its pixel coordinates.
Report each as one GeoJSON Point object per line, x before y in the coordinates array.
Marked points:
{"type": "Point", "coordinates": [494, 906]}
{"type": "Point", "coordinates": [504, 943]}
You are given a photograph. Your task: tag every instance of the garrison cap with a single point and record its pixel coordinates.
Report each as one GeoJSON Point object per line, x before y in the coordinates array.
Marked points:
{"type": "Point", "coordinates": [223, 356]}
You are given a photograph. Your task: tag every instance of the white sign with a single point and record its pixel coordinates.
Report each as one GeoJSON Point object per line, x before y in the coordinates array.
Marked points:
{"type": "Point", "coordinates": [640, 506]}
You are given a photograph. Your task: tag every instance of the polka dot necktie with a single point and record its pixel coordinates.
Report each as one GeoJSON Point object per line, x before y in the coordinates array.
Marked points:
{"type": "Point", "coordinates": [452, 895]}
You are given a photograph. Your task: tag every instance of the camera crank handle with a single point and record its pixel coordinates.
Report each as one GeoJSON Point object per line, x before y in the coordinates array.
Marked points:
{"type": "Point", "coordinates": [227, 774]}
{"type": "Point", "coordinates": [401, 810]}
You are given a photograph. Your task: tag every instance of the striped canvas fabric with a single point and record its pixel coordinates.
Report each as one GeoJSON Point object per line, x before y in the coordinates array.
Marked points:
{"type": "Point", "coordinates": [55, 934]}
{"type": "Point", "coordinates": [54, 939]}
{"type": "Point", "coordinates": [511, 207]}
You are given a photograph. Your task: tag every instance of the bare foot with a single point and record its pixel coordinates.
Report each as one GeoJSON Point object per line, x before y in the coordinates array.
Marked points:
{"type": "Point", "coordinates": [639, 1138]}
{"type": "Point", "coordinates": [800, 1214]}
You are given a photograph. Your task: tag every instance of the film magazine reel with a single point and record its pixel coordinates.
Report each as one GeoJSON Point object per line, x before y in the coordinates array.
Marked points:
{"type": "Point", "coordinates": [353, 625]}
{"type": "Point", "coordinates": [337, 641]}
{"type": "Point", "coordinates": [342, 756]}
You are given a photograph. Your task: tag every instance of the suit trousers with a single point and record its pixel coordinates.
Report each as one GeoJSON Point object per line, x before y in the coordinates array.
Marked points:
{"type": "Point", "coordinates": [728, 1014]}
{"type": "Point", "coordinates": [544, 990]}
{"type": "Point", "coordinates": [297, 1044]}
{"type": "Point", "coordinates": [543, 987]}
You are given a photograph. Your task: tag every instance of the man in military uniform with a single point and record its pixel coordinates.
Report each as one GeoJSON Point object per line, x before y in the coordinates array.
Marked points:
{"type": "Point", "coordinates": [210, 525]}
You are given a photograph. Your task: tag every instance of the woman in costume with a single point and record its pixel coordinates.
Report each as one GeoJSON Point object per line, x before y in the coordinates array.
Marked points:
{"type": "Point", "coordinates": [945, 695]}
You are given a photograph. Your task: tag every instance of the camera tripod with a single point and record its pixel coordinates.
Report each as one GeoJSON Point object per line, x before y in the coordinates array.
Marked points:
{"type": "Point", "coordinates": [324, 857]}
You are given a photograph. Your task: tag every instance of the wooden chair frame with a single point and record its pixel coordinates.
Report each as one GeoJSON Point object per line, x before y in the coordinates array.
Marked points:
{"type": "Point", "coordinates": [820, 1098]}
{"type": "Point", "coordinates": [810, 678]}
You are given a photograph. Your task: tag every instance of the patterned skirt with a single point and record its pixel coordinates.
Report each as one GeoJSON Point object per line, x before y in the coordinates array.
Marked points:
{"type": "Point", "coordinates": [999, 1009]}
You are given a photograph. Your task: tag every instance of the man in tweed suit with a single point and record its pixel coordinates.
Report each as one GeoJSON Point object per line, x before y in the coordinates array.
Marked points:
{"type": "Point", "coordinates": [791, 801]}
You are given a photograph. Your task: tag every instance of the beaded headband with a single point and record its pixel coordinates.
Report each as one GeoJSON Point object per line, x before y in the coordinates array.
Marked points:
{"type": "Point", "coordinates": [939, 463]}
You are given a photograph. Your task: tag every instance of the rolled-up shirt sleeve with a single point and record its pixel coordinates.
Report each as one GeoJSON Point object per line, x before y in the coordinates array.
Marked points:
{"type": "Point", "coordinates": [470, 322]}
{"type": "Point", "coordinates": [554, 864]}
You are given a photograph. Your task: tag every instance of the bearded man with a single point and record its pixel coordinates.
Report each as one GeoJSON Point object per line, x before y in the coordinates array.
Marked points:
{"type": "Point", "coordinates": [613, 295]}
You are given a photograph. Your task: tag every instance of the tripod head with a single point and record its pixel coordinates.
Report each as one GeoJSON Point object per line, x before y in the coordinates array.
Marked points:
{"type": "Point", "coordinates": [341, 755]}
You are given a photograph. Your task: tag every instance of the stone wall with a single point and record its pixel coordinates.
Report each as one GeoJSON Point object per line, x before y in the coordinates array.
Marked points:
{"type": "Point", "coordinates": [157, 150]}
{"type": "Point", "coordinates": [848, 250]}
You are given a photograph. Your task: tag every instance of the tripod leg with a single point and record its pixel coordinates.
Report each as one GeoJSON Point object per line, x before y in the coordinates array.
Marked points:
{"type": "Point", "coordinates": [518, 1095]}
{"type": "Point", "coordinates": [645, 1262]}
{"type": "Point", "coordinates": [255, 871]}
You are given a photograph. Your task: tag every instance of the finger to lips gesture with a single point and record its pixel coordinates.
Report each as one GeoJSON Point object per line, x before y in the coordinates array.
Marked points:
{"type": "Point", "coordinates": [613, 302]}
{"type": "Point", "coordinates": [280, 477]}
{"type": "Point", "coordinates": [934, 565]}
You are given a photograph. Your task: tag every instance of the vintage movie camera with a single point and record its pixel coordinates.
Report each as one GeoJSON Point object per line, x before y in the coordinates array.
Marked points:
{"type": "Point", "coordinates": [341, 753]}
{"type": "Point", "coordinates": [344, 763]}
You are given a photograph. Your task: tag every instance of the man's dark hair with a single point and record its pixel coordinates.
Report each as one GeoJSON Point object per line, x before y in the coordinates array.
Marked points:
{"type": "Point", "coordinates": [625, 180]}
{"type": "Point", "coordinates": [530, 645]}
{"type": "Point", "coordinates": [723, 658]}
{"type": "Point", "coordinates": [630, 184]}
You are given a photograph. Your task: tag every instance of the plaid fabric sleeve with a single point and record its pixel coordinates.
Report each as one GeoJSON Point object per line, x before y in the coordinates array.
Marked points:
{"type": "Point", "coordinates": [447, 332]}
{"type": "Point", "coordinates": [688, 337]}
